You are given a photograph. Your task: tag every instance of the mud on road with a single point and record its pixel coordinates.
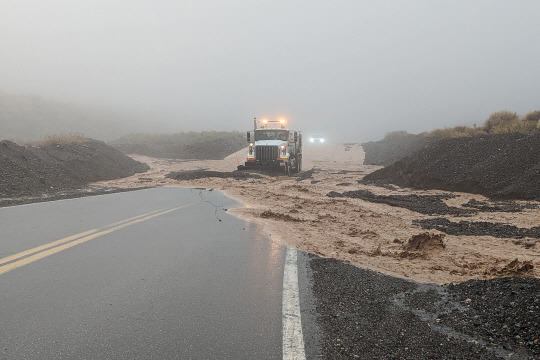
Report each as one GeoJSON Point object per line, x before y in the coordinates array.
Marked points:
{"type": "Point", "coordinates": [369, 229]}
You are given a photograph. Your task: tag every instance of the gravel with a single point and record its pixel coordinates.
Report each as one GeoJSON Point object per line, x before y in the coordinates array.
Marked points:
{"type": "Point", "coordinates": [498, 166]}
{"type": "Point", "coordinates": [424, 204]}
{"type": "Point", "coordinates": [500, 206]}
{"type": "Point", "coordinates": [49, 169]}
{"type": "Point", "coordinates": [503, 311]}
{"type": "Point", "coordinates": [367, 315]}
{"type": "Point", "coordinates": [478, 228]}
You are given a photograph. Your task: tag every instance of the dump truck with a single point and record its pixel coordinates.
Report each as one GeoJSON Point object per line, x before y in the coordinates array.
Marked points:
{"type": "Point", "coordinates": [273, 146]}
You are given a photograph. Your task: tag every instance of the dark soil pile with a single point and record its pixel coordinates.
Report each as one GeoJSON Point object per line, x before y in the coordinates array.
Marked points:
{"type": "Point", "coordinates": [504, 311]}
{"type": "Point", "coordinates": [393, 148]}
{"type": "Point", "coordinates": [424, 204]}
{"type": "Point", "coordinates": [478, 228]}
{"type": "Point", "coordinates": [304, 175]}
{"type": "Point", "coordinates": [200, 174]}
{"type": "Point", "coordinates": [500, 206]}
{"type": "Point", "coordinates": [499, 165]}
{"type": "Point", "coordinates": [367, 315]}
{"type": "Point", "coordinates": [31, 171]}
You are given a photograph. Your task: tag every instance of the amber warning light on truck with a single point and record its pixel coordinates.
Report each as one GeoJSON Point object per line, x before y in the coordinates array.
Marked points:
{"type": "Point", "coordinates": [272, 146]}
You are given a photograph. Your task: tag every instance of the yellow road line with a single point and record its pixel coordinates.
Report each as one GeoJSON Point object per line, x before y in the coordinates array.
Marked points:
{"type": "Point", "coordinates": [65, 240]}
{"type": "Point", "coordinates": [54, 247]}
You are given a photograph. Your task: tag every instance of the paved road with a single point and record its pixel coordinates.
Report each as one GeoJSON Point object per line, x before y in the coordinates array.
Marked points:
{"type": "Point", "coordinates": [166, 273]}
{"type": "Point", "coordinates": [158, 273]}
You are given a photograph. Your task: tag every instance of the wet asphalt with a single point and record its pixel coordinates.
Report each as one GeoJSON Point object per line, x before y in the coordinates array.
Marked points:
{"type": "Point", "coordinates": [198, 283]}
{"type": "Point", "coordinates": [195, 283]}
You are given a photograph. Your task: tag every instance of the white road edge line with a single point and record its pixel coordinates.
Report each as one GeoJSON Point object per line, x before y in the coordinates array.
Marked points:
{"type": "Point", "coordinates": [293, 339]}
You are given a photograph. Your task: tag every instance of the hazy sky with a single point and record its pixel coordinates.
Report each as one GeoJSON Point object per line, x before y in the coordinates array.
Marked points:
{"type": "Point", "coordinates": [351, 69]}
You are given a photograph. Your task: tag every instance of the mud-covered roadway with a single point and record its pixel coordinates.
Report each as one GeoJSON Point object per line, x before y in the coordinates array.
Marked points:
{"type": "Point", "coordinates": [369, 226]}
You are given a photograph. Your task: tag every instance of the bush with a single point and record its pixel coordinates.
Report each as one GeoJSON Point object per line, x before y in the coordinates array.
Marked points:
{"type": "Point", "coordinates": [456, 132]}
{"type": "Point", "coordinates": [533, 116]}
{"type": "Point", "coordinates": [502, 122]}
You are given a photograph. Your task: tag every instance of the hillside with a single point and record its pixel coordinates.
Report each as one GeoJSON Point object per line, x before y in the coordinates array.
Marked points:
{"type": "Point", "coordinates": [206, 145]}
{"type": "Point", "coordinates": [40, 170]}
{"type": "Point", "coordinates": [495, 165]}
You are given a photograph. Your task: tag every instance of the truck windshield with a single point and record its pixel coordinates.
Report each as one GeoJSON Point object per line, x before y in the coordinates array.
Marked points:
{"type": "Point", "coordinates": [272, 135]}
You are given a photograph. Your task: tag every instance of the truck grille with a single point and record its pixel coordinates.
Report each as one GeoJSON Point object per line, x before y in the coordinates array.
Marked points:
{"type": "Point", "coordinates": [266, 152]}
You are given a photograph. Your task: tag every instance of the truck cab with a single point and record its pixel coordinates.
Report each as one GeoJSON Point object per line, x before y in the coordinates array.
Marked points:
{"type": "Point", "coordinates": [272, 147]}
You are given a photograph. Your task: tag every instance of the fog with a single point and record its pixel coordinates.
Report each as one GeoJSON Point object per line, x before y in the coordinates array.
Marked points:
{"type": "Point", "coordinates": [352, 70]}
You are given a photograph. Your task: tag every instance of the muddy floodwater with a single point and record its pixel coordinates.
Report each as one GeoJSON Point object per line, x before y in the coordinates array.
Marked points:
{"type": "Point", "coordinates": [325, 210]}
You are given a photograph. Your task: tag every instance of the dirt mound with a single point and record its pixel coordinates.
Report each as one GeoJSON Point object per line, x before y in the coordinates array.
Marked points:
{"type": "Point", "coordinates": [513, 268]}
{"type": "Point", "coordinates": [501, 165]}
{"type": "Point", "coordinates": [201, 174]}
{"type": "Point", "coordinates": [30, 171]}
{"type": "Point", "coordinates": [425, 242]}
{"type": "Point", "coordinates": [269, 214]}
{"type": "Point", "coordinates": [393, 148]}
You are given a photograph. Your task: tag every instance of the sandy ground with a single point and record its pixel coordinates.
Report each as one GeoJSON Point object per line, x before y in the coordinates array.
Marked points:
{"type": "Point", "coordinates": [368, 235]}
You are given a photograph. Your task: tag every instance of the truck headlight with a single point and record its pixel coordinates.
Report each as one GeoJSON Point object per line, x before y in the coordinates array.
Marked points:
{"type": "Point", "coordinates": [283, 150]}
{"type": "Point", "coordinates": [251, 149]}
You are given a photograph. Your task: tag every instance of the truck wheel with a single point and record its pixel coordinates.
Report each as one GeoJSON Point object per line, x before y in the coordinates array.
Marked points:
{"type": "Point", "coordinates": [287, 169]}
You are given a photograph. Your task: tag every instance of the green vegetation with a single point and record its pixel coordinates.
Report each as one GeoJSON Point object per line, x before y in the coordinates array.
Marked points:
{"type": "Point", "coordinates": [499, 122]}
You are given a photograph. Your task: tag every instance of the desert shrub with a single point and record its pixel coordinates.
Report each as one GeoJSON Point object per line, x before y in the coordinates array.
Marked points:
{"type": "Point", "coordinates": [532, 116]}
{"type": "Point", "coordinates": [502, 122]}
{"type": "Point", "coordinates": [525, 126]}
{"type": "Point", "coordinates": [456, 132]}
{"type": "Point", "coordinates": [532, 121]}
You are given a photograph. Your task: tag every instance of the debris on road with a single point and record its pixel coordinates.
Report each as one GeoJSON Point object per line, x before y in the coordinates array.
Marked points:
{"type": "Point", "coordinates": [425, 242]}
{"type": "Point", "coordinates": [368, 228]}
{"type": "Point", "coordinates": [201, 174]}
{"type": "Point", "coordinates": [368, 315]}
{"type": "Point", "coordinates": [424, 204]}
{"type": "Point", "coordinates": [480, 228]}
